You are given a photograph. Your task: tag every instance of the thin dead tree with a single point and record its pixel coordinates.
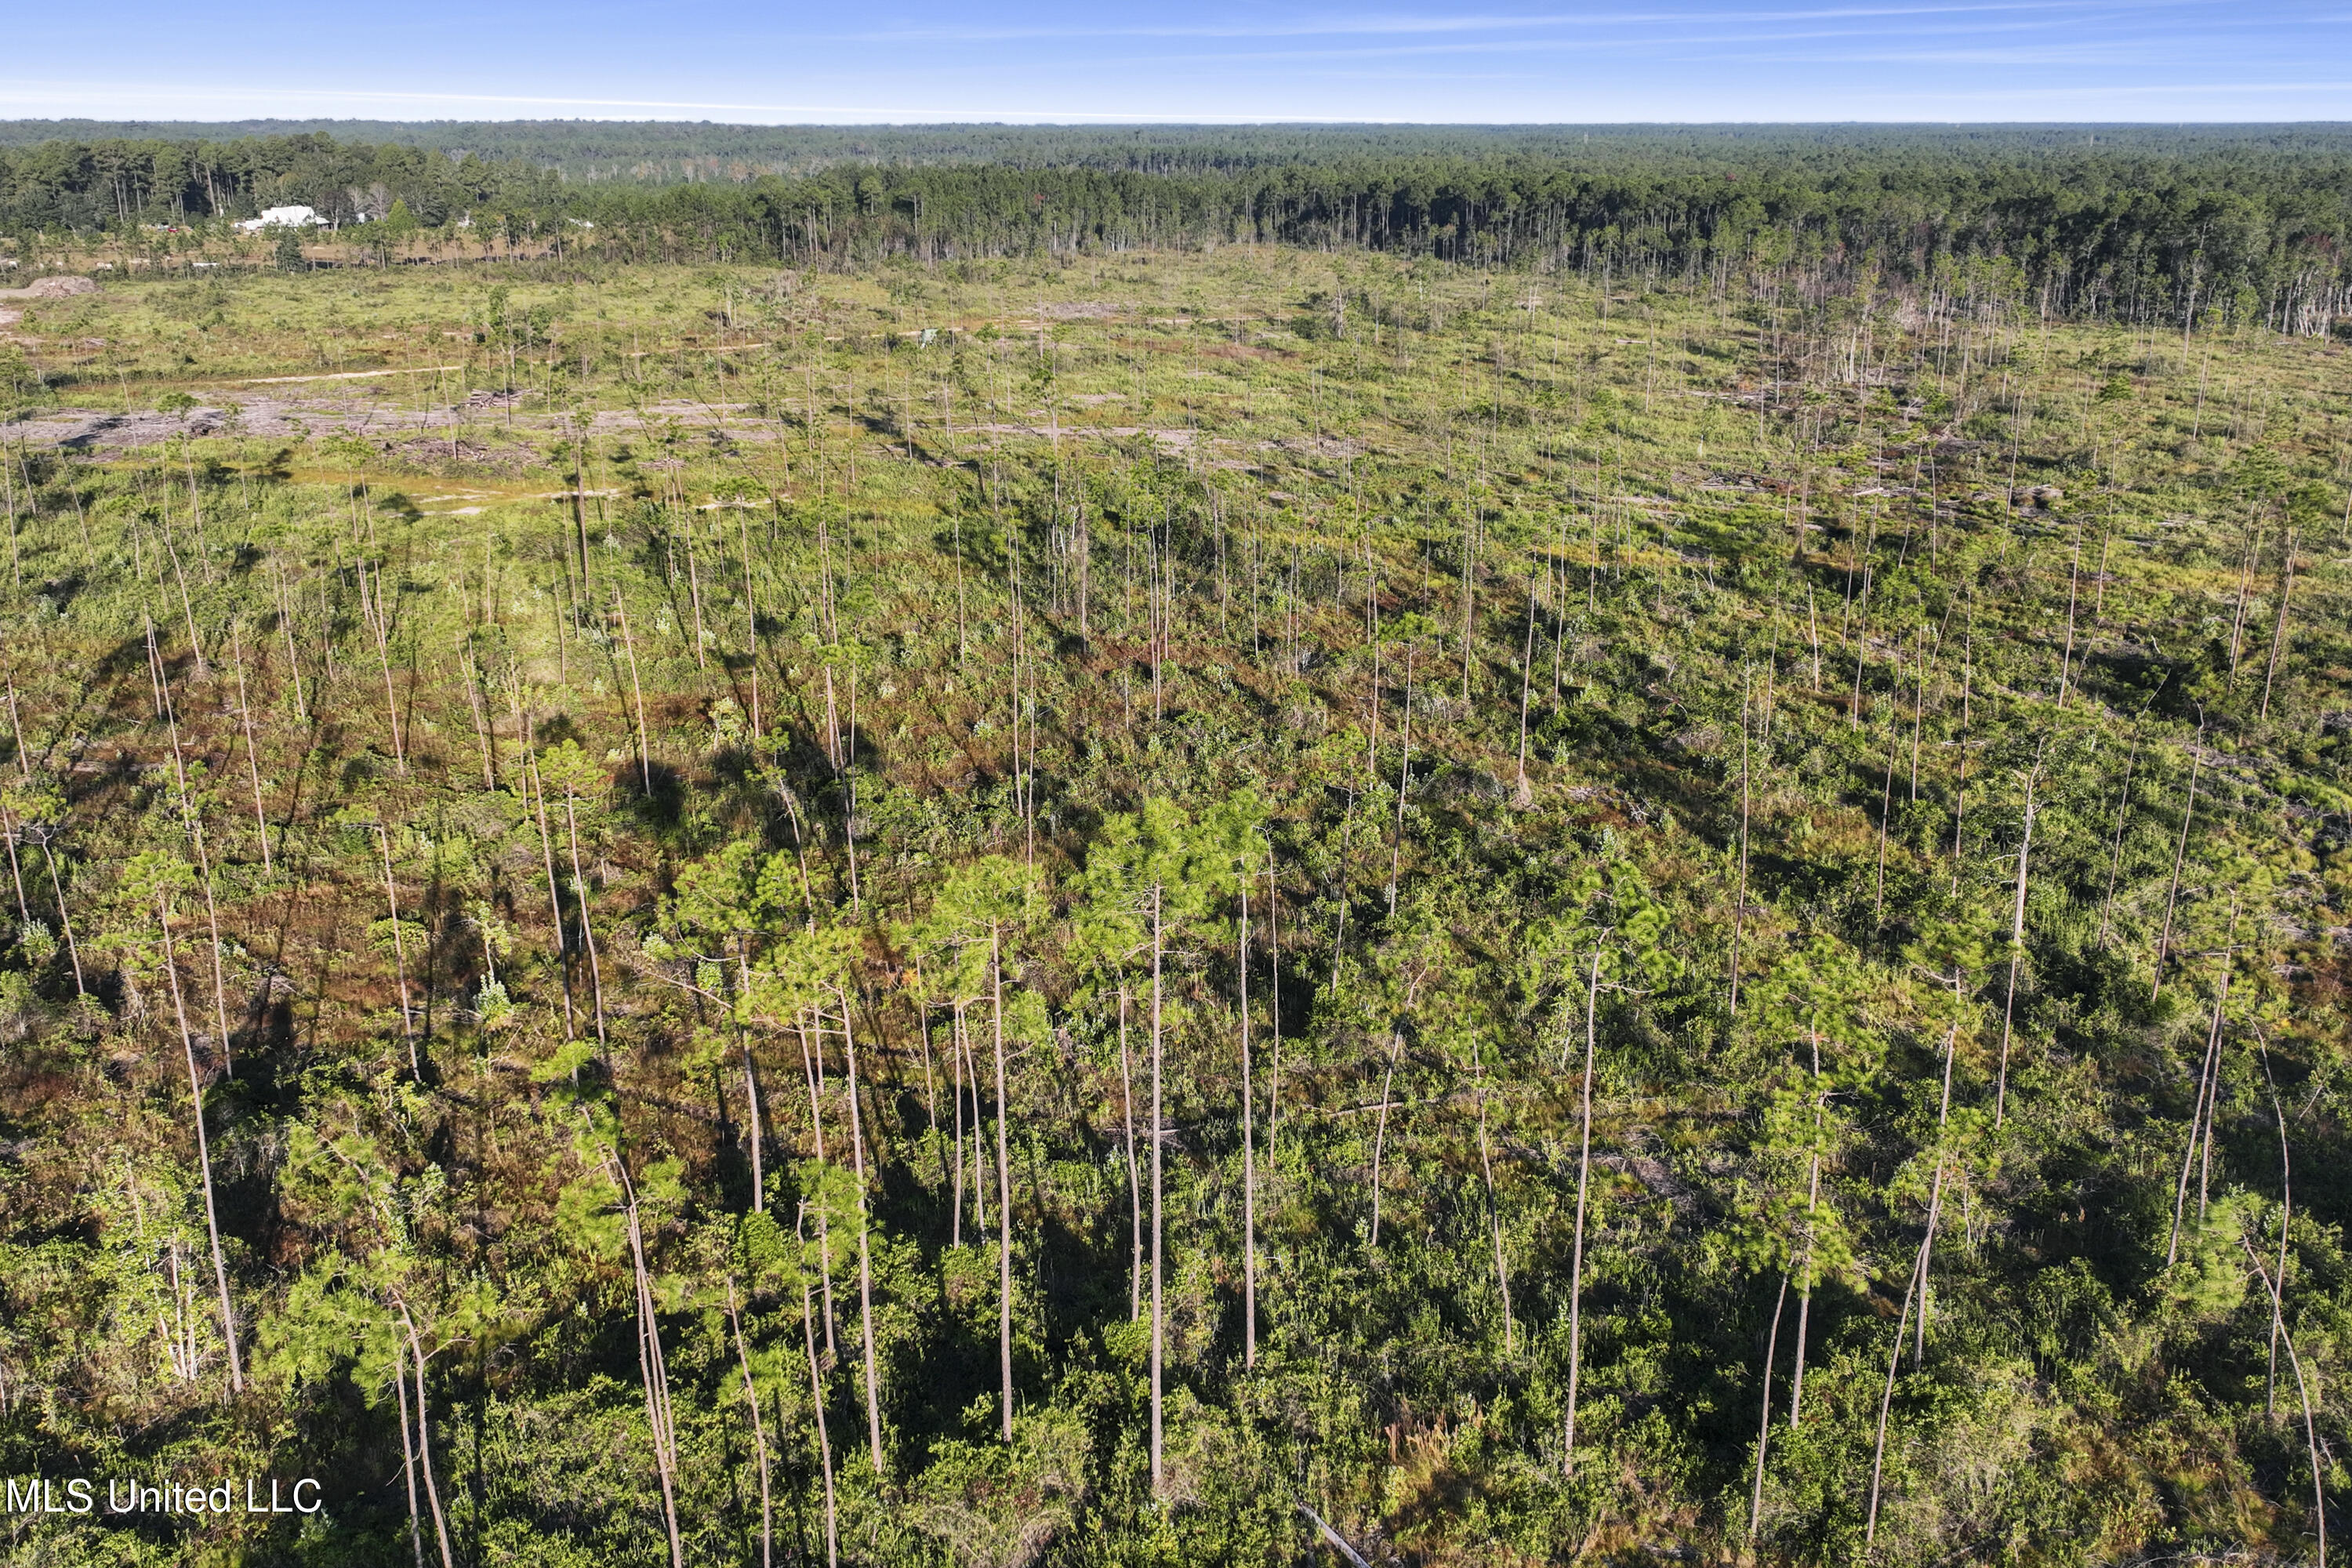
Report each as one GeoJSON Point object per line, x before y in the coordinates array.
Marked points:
{"type": "Point", "coordinates": [2310, 1427]}
{"type": "Point", "coordinates": [1764, 1416]}
{"type": "Point", "coordinates": [1004, 1178]}
{"type": "Point", "coordinates": [408, 1449]}
{"type": "Point", "coordinates": [2278, 633]}
{"type": "Point", "coordinates": [1576, 1255]}
{"type": "Point", "coordinates": [2201, 1113]}
{"type": "Point", "coordinates": [399, 956]}
{"type": "Point", "coordinates": [2286, 1217]}
{"type": "Point", "coordinates": [424, 1442]}
{"type": "Point", "coordinates": [2115, 861]}
{"type": "Point", "coordinates": [1740, 898]}
{"type": "Point", "coordinates": [1159, 1268]}
{"type": "Point", "coordinates": [252, 756]}
{"type": "Point", "coordinates": [637, 687]}
{"type": "Point", "coordinates": [1249, 1142]}
{"type": "Point", "coordinates": [816, 1399]}
{"type": "Point", "coordinates": [865, 1225]}
{"type": "Point", "coordinates": [2016, 946]}
{"type": "Point", "coordinates": [651, 1364]}
{"type": "Point", "coordinates": [1813, 1206]}
{"type": "Point", "coordinates": [204, 1146]}
{"type": "Point", "coordinates": [2180, 853]}
{"type": "Point", "coordinates": [1886, 1400]}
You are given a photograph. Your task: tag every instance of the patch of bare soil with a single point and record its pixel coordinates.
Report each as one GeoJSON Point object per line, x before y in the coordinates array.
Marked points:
{"type": "Point", "coordinates": [438, 452]}
{"type": "Point", "coordinates": [51, 289]}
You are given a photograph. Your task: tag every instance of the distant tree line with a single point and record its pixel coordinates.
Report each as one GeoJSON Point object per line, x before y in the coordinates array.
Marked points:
{"type": "Point", "coordinates": [2250, 225]}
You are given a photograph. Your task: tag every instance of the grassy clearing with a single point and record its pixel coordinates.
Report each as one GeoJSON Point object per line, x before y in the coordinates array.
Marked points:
{"type": "Point", "coordinates": [577, 752]}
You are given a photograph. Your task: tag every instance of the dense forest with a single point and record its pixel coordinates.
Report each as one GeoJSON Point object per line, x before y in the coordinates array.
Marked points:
{"type": "Point", "coordinates": [2141, 225]}
{"type": "Point", "coordinates": [1116, 904]}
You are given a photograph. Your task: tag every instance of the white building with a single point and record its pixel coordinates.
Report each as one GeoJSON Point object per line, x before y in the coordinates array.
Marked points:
{"type": "Point", "coordinates": [284, 217]}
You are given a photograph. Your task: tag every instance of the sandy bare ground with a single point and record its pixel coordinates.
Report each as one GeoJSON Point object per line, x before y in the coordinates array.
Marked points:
{"type": "Point", "coordinates": [286, 417]}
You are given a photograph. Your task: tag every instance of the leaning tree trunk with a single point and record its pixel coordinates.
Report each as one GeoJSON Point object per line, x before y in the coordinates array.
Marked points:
{"type": "Point", "coordinates": [1576, 1255]}
{"type": "Point", "coordinates": [1158, 1315]}
{"type": "Point", "coordinates": [865, 1257]}
{"type": "Point", "coordinates": [204, 1150]}
{"type": "Point", "coordinates": [1249, 1149]}
{"type": "Point", "coordinates": [817, 1405]}
{"type": "Point", "coordinates": [2310, 1429]}
{"type": "Point", "coordinates": [1764, 1419]}
{"type": "Point", "coordinates": [425, 1445]}
{"type": "Point", "coordinates": [1003, 1189]}
{"type": "Point", "coordinates": [758, 1432]}
{"type": "Point", "coordinates": [2016, 956]}
{"type": "Point", "coordinates": [653, 1367]}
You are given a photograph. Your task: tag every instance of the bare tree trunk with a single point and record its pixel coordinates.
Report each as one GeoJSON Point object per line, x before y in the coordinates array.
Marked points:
{"type": "Point", "coordinates": [1003, 1188]}
{"type": "Point", "coordinates": [810, 1067]}
{"type": "Point", "coordinates": [2180, 851]}
{"type": "Point", "coordinates": [587, 931]}
{"type": "Point", "coordinates": [2116, 863]}
{"type": "Point", "coordinates": [1273, 1003]}
{"type": "Point", "coordinates": [1494, 1224]}
{"type": "Point", "coordinates": [759, 1432]}
{"type": "Point", "coordinates": [1764, 1419]}
{"type": "Point", "coordinates": [1936, 1187]}
{"type": "Point", "coordinates": [9, 831]}
{"type": "Point", "coordinates": [1380, 1129]}
{"type": "Point", "coordinates": [2310, 1429]}
{"type": "Point", "coordinates": [1887, 1399]}
{"type": "Point", "coordinates": [195, 827]}
{"type": "Point", "coordinates": [1575, 1254]}
{"type": "Point", "coordinates": [1527, 672]}
{"type": "Point", "coordinates": [554, 886]}
{"type": "Point", "coordinates": [399, 955]}
{"type": "Point", "coordinates": [759, 1135]}
{"type": "Point", "coordinates": [425, 1447]}
{"type": "Point", "coordinates": [481, 724]}
{"type": "Point", "coordinates": [2237, 619]}
{"type": "Point", "coordinates": [2016, 954]}
{"type": "Point", "coordinates": [1739, 898]}
{"type": "Point", "coordinates": [629, 644]}
{"type": "Point", "coordinates": [2278, 633]}
{"type": "Point", "coordinates": [293, 659]}
{"type": "Point", "coordinates": [65, 920]}
{"type": "Point", "coordinates": [1960, 783]}
{"type": "Point", "coordinates": [816, 1403]}
{"type": "Point", "coordinates": [384, 658]}
{"type": "Point", "coordinates": [2073, 583]}
{"type": "Point", "coordinates": [407, 1450]}
{"type": "Point", "coordinates": [1158, 1235]}
{"type": "Point", "coordinates": [955, 1088]}
{"type": "Point", "coordinates": [252, 757]}
{"type": "Point", "coordinates": [654, 1370]}
{"type": "Point", "coordinates": [2208, 1073]}
{"type": "Point", "coordinates": [694, 587]}
{"type": "Point", "coordinates": [2286, 1215]}
{"type": "Point", "coordinates": [1805, 1286]}
{"type": "Point", "coordinates": [1404, 778]}
{"type": "Point", "coordinates": [1134, 1178]}
{"type": "Point", "coordinates": [203, 1148]}
{"type": "Point", "coordinates": [1249, 1146]}
{"type": "Point", "coordinates": [1887, 796]}
{"type": "Point", "coordinates": [864, 1258]}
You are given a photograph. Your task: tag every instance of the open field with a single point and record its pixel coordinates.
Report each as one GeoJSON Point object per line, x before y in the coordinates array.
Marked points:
{"type": "Point", "coordinates": [1049, 910]}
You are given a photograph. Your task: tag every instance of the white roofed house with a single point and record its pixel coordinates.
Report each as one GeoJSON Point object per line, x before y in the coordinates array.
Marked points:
{"type": "Point", "coordinates": [283, 217]}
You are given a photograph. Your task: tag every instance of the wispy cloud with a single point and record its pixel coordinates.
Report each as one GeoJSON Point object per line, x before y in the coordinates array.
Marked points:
{"type": "Point", "coordinates": [1326, 25]}
{"type": "Point", "coordinates": [110, 96]}
{"type": "Point", "coordinates": [1323, 61]}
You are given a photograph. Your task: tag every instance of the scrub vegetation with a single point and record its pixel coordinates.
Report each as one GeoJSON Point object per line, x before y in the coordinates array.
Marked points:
{"type": "Point", "coordinates": [1187, 903]}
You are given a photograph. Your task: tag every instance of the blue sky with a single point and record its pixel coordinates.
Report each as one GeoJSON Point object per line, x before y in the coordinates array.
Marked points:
{"type": "Point", "coordinates": [1607, 60]}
